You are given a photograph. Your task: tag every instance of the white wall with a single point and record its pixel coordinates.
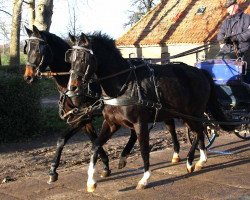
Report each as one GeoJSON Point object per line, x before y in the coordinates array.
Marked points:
{"type": "Point", "coordinates": [154, 51]}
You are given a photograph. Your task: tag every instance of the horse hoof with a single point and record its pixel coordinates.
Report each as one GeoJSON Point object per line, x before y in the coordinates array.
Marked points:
{"type": "Point", "coordinates": [122, 164]}
{"type": "Point", "coordinates": [190, 169]}
{"type": "Point", "coordinates": [91, 188]}
{"type": "Point", "coordinates": [176, 160]}
{"type": "Point", "coordinates": [105, 173]}
{"type": "Point", "coordinates": [53, 178]}
{"type": "Point", "coordinates": [198, 166]}
{"type": "Point", "coordinates": [141, 187]}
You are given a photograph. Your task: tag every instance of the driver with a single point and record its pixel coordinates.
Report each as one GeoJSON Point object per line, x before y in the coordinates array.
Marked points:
{"type": "Point", "coordinates": [234, 34]}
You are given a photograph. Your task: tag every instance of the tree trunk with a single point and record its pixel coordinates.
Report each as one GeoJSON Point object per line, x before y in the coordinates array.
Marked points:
{"type": "Point", "coordinates": [15, 34]}
{"type": "Point", "coordinates": [44, 11]}
{"type": "Point", "coordinates": [31, 12]}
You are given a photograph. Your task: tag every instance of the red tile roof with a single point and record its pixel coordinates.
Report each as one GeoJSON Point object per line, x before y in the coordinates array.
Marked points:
{"type": "Point", "coordinates": [176, 21]}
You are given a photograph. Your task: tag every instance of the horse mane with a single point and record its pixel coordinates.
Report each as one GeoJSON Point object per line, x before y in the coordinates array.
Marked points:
{"type": "Point", "coordinates": [54, 40]}
{"type": "Point", "coordinates": [101, 40]}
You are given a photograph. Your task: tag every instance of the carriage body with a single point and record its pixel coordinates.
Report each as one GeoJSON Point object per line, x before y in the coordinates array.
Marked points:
{"type": "Point", "coordinates": [230, 80]}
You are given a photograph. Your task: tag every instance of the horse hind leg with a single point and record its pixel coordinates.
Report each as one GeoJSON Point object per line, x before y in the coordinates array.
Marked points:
{"type": "Point", "coordinates": [53, 175]}
{"type": "Point", "coordinates": [171, 127]}
{"type": "Point", "coordinates": [199, 138]}
{"type": "Point", "coordinates": [126, 151]}
{"type": "Point", "coordinates": [203, 152]}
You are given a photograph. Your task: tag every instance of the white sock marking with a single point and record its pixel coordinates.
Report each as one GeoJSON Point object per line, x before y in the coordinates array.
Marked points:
{"type": "Point", "coordinates": [175, 155]}
{"type": "Point", "coordinates": [203, 156]}
{"type": "Point", "coordinates": [91, 171]}
{"type": "Point", "coordinates": [144, 180]}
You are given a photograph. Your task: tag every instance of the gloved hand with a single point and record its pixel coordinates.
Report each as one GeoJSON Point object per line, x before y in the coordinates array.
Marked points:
{"type": "Point", "coordinates": [228, 40]}
{"type": "Point", "coordinates": [234, 38]}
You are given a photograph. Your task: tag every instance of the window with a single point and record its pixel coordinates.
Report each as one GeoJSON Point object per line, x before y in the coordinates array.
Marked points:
{"type": "Point", "coordinates": [201, 10]}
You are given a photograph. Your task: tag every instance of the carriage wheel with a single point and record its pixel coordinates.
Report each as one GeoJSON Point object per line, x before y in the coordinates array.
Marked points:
{"type": "Point", "coordinates": [243, 131]}
{"type": "Point", "coordinates": [210, 134]}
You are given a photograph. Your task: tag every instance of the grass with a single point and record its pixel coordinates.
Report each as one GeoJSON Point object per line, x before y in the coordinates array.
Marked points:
{"type": "Point", "coordinates": [47, 87]}
{"type": "Point", "coordinates": [52, 121]}
{"type": "Point", "coordinates": [5, 59]}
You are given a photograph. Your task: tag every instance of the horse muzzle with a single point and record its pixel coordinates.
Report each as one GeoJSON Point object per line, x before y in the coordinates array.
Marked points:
{"type": "Point", "coordinates": [29, 74]}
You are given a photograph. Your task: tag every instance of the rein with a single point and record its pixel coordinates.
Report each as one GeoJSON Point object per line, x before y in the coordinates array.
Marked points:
{"type": "Point", "coordinates": [50, 73]}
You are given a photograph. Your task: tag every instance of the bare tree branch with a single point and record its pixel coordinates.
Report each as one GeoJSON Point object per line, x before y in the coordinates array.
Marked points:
{"type": "Point", "coordinates": [142, 7]}
{"type": "Point", "coordinates": [6, 12]}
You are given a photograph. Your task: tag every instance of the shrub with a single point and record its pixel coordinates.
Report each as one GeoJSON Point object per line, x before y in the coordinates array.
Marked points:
{"type": "Point", "coordinates": [20, 110]}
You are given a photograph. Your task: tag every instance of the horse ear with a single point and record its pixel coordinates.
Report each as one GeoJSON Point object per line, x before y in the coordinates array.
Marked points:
{"type": "Point", "coordinates": [84, 40]}
{"type": "Point", "coordinates": [36, 31]}
{"type": "Point", "coordinates": [28, 31]}
{"type": "Point", "coordinates": [72, 38]}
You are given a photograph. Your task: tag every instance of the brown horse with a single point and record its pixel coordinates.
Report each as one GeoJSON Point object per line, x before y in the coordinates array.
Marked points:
{"type": "Point", "coordinates": [135, 95]}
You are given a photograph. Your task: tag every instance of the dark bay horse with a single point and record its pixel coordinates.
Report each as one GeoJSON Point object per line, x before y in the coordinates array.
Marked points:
{"type": "Point", "coordinates": [135, 95]}
{"type": "Point", "coordinates": [44, 50]}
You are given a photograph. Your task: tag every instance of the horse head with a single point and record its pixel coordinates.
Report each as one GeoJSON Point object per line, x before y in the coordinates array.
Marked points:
{"type": "Point", "coordinates": [83, 63]}
{"type": "Point", "coordinates": [38, 52]}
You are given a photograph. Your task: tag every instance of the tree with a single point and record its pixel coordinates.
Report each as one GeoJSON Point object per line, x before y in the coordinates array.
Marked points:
{"type": "Point", "coordinates": [43, 14]}
{"type": "Point", "coordinates": [40, 13]}
{"type": "Point", "coordinates": [31, 12]}
{"type": "Point", "coordinates": [75, 7]}
{"type": "Point", "coordinates": [15, 33]}
{"type": "Point", "coordinates": [142, 7]}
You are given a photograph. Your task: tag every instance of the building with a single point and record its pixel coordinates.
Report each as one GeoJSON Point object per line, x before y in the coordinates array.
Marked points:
{"type": "Point", "coordinates": [175, 26]}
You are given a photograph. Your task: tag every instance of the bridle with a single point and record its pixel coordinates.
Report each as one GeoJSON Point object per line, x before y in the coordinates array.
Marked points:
{"type": "Point", "coordinates": [72, 54]}
{"type": "Point", "coordinates": [37, 40]}
{"type": "Point", "coordinates": [37, 68]}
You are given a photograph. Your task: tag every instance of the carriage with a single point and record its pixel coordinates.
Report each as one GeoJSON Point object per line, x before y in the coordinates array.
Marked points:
{"type": "Point", "coordinates": [232, 86]}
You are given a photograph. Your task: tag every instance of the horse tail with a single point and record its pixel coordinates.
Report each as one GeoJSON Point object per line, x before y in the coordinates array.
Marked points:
{"type": "Point", "coordinates": [214, 107]}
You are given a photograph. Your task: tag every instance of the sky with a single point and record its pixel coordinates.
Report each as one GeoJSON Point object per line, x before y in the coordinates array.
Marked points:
{"type": "Point", "coordinates": [108, 16]}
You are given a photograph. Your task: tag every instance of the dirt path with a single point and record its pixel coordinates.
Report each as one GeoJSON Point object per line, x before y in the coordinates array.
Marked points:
{"type": "Point", "coordinates": [225, 176]}
{"type": "Point", "coordinates": [25, 159]}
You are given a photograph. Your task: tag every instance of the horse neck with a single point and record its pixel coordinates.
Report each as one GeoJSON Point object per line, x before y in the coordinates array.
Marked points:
{"type": "Point", "coordinates": [112, 86]}
{"type": "Point", "coordinates": [61, 80]}
{"type": "Point", "coordinates": [59, 65]}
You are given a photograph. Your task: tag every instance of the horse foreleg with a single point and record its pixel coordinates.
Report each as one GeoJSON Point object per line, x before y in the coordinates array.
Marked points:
{"type": "Point", "coordinates": [90, 131]}
{"type": "Point", "coordinates": [105, 134]}
{"type": "Point", "coordinates": [171, 127]}
{"type": "Point", "coordinates": [143, 138]}
{"type": "Point", "coordinates": [53, 175]}
{"type": "Point", "coordinates": [127, 149]}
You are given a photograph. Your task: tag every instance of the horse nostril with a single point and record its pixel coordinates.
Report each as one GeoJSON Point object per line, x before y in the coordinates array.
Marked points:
{"type": "Point", "coordinates": [73, 88]}
{"type": "Point", "coordinates": [28, 79]}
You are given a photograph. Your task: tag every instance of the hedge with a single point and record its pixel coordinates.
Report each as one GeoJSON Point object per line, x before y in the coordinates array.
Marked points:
{"type": "Point", "coordinates": [20, 110]}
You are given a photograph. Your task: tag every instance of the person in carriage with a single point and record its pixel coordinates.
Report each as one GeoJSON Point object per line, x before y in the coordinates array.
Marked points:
{"type": "Point", "coordinates": [234, 35]}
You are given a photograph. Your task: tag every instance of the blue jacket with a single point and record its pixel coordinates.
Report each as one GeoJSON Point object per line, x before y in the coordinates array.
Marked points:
{"type": "Point", "coordinates": [237, 26]}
